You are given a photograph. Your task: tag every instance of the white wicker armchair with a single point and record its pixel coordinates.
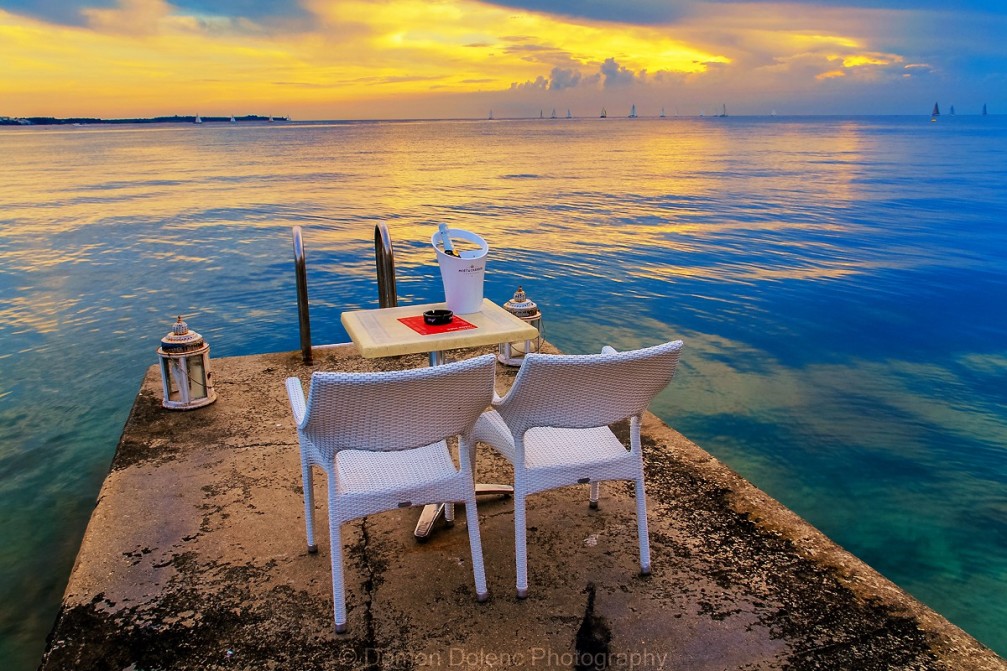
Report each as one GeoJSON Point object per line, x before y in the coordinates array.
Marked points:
{"type": "Point", "coordinates": [381, 440]}
{"type": "Point", "coordinates": [553, 427]}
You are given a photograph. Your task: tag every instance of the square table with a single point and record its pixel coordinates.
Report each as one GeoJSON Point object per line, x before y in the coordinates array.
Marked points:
{"type": "Point", "coordinates": [378, 333]}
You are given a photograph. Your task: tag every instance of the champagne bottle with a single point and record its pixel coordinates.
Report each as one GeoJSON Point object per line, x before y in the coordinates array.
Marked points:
{"type": "Point", "coordinates": [449, 247]}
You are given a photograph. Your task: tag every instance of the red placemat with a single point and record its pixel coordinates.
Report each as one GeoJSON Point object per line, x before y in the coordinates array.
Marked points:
{"type": "Point", "coordinates": [417, 324]}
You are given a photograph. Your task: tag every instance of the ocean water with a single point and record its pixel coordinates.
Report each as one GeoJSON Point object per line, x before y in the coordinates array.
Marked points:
{"type": "Point", "coordinates": [840, 283]}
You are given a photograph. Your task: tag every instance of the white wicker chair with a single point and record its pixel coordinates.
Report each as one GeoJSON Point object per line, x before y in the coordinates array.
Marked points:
{"type": "Point", "coordinates": [553, 427]}
{"type": "Point", "coordinates": [380, 438]}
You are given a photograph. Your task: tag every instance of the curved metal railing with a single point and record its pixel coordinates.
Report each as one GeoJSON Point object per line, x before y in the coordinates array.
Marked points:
{"type": "Point", "coordinates": [303, 319]}
{"type": "Point", "coordinates": [384, 258]}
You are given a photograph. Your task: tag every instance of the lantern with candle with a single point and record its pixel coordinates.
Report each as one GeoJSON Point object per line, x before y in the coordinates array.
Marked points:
{"type": "Point", "coordinates": [513, 353]}
{"type": "Point", "coordinates": [185, 369]}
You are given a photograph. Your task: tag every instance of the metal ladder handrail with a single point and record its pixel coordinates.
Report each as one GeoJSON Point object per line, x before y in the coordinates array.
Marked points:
{"type": "Point", "coordinates": [303, 319]}
{"type": "Point", "coordinates": [384, 258]}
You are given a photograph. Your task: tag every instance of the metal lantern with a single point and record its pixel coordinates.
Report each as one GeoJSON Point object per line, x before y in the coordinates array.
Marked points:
{"type": "Point", "coordinates": [513, 353]}
{"type": "Point", "coordinates": [185, 369]}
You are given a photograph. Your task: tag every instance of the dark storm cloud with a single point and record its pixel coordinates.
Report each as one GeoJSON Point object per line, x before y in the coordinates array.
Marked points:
{"type": "Point", "coordinates": [652, 12]}
{"type": "Point", "coordinates": [610, 74]}
{"type": "Point", "coordinates": [257, 10]}
{"type": "Point", "coordinates": [68, 12]}
{"type": "Point", "coordinates": [641, 12]}
{"type": "Point", "coordinates": [54, 11]}
{"type": "Point", "coordinates": [625, 11]}
{"type": "Point", "coordinates": [616, 75]}
{"type": "Point", "coordinates": [986, 6]}
{"type": "Point", "coordinates": [561, 78]}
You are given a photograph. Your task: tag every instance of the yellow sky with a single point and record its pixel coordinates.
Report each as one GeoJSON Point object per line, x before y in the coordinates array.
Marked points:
{"type": "Point", "coordinates": [370, 57]}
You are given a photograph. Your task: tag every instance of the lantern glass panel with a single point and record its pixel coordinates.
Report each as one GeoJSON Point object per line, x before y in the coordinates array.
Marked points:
{"type": "Point", "coordinates": [169, 372]}
{"type": "Point", "coordinates": [197, 376]}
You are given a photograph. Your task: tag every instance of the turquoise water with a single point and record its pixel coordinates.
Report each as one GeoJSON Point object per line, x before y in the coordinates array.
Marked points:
{"type": "Point", "coordinates": [840, 284]}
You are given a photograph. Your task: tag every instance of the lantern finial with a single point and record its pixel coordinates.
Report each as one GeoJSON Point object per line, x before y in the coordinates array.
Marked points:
{"type": "Point", "coordinates": [520, 305]}
{"type": "Point", "coordinates": [179, 327]}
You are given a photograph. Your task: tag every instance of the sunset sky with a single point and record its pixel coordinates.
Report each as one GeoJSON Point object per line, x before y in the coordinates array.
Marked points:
{"type": "Point", "coordinates": [354, 59]}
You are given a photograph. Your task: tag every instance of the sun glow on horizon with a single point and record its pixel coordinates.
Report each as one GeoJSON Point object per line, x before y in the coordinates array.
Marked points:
{"type": "Point", "coordinates": [149, 57]}
{"type": "Point", "coordinates": [409, 47]}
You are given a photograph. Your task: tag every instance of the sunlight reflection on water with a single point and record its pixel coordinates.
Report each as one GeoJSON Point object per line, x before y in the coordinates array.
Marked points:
{"type": "Point", "coordinates": [836, 282]}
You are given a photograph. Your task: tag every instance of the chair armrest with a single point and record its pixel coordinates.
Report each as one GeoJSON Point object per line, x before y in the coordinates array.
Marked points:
{"type": "Point", "coordinates": [296, 394]}
{"type": "Point", "coordinates": [492, 430]}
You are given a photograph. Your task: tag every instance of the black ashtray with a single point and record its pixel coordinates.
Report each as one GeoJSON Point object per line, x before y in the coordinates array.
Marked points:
{"type": "Point", "coordinates": [435, 317]}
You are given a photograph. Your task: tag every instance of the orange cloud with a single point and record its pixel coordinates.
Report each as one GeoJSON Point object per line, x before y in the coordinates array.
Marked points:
{"type": "Point", "coordinates": [149, 57]}
{"type": "Point", "coordinates": [831, 74]}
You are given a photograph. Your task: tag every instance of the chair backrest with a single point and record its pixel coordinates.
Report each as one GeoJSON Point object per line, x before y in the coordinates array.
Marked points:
{"type": "Point", "coordinates": [581, 391]}
{"type": "Point", "coordinates": [396, 410]}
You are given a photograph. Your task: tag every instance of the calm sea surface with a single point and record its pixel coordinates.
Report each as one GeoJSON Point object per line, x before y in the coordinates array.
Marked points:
{"type": "Point", "coordinates": [841, 285]}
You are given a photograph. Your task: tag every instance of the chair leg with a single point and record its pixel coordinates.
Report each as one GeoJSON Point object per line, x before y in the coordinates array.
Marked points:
{"type": "Point", "coordinates": [641, 526]}
{"type": "Point", "coordinates": [476, 547]}
{"type": "Point", "coordinates": [307, 482]}
{"type": "Point", "coordinates": [449, 514]}
{"type": "Point", "coordinates": [336, 552]}
{"type": "Point", "coordinates": [594, 494]}
{"type": "Point", "coordinates": [520, 543]}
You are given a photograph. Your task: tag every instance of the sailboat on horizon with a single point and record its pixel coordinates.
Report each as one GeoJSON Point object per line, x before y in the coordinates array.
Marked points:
{"type": "Point", "coordinates": [724, 112]}
{"type": "Point", "coordinates": [198, 119]}
{"type": "Point", "coordinates": [632, 112]}
{"type": "Point", "coordinates": [603, 113]}
{"type": "Point", "coordinates": [984, 109]}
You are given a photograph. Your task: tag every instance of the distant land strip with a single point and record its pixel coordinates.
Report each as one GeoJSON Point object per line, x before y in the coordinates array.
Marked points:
{"type": "Point", "coordinates": [81, 121]}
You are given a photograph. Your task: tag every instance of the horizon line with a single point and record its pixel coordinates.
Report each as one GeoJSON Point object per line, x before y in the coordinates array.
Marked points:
{"type": "Point", "coordinates": [190, 118]}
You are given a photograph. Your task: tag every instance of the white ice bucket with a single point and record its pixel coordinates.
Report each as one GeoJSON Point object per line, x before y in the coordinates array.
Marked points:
{"type": "Point", "coordinates": [462, 275]}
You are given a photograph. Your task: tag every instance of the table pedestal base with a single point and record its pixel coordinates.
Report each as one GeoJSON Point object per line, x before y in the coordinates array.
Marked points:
{"type": "Point", "coordinates": [431, 513]}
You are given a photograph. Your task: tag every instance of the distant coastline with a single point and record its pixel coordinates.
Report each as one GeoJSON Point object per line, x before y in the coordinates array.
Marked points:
{"type": "Point", "coordinates": [82, 121]}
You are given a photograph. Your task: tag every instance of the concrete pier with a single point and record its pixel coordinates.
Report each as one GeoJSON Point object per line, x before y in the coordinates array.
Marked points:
{"type": "Point", "coordinates": [195, 558]}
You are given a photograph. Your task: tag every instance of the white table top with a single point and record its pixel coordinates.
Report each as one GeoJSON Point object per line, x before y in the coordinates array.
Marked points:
{"type": "Point", "coordinates": [378, 332]}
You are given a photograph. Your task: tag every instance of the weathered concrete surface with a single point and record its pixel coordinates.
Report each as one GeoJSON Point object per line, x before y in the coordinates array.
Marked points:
{"type": "Point", "coordinates": [195, 558]}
